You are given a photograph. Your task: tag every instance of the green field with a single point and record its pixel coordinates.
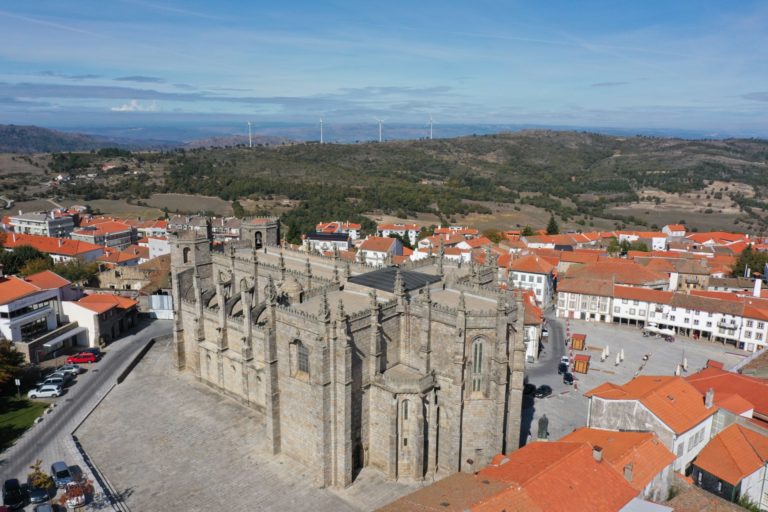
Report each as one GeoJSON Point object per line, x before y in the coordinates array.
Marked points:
{"type": "Point", "coordinates": [16, 416]}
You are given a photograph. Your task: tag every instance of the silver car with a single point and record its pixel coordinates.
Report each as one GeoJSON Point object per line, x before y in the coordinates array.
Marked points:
{"type": "Point", "coordinates": [45, 391]}
{"type": "Point", "coordinates": [71, 369]}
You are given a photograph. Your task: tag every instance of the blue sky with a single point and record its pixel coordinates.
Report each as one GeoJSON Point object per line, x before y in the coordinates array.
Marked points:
{"type": "Point", "coordinates": [696, 65]}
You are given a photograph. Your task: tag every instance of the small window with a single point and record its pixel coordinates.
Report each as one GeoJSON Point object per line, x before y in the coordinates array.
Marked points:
{"type": "Point", "coordinates": [302, 355]}
{"type": "Point", "coordinates": [719, 486]}
{"type": "Point", "coordinates": [185, 254]}
{"type": "Point", "coordinates": [405, 410]}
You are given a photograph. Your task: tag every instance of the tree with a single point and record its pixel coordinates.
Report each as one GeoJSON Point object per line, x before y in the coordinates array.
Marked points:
{"type": "Point", "coordinates": [39, 478]}
{"type": "Point", "coordinates": [749, 258]}
{"type": "Point", "coordinates": [494, 235]}
{"type": "Point", "coordinates": [11, 361]}
{"type": "Point", "coordinates": [14, 260]}
{"type": "Point", "coordinates": [527, 231]}
{"type": "Point", "coordinates": [405, 240]}
{"type": "Point", "coordinates": [35, 266]}
{"type": "Point", "coordinates": [77, 271]}
{"type": "Point", "coordinates": [552, 227]}
{"type": "Point", "coordinates": [613, 246]}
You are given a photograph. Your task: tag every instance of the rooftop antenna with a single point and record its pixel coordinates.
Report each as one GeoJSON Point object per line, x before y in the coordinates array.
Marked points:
{"type": "Point", "coordinates": [430, 127]}
{"type": "Point", "coordinates": [250, 138]}
{"type": "Point", "coordinates": [321, 130]}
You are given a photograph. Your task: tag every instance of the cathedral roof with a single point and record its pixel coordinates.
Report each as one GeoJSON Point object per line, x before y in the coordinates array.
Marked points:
{"type": "Point", "coordinates": [384, 279]}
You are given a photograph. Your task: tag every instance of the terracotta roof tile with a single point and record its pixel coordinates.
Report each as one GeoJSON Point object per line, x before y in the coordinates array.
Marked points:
{"type": "Point", "coordinates": [377, 244]}
{"type": "Point", "coordinates": [47, 280]}
{"type": "Point", "coordinates": [532, 265]}
{"type": "Point", "coordinates": [50, 245]}
{"type": "Point", "coordinates": [643, 450]}
{"type": "Point", "coordinates": [672, 399]}
{"type": "Point", "coordinates": [13, 288]}
{"type": "Point", "coordinates": [621, 272]}
{"type": "Point", "coordinates": [733, 454]}
{"type": "Point", "coordinates": [753, 389]}
{"type": "Point", "coordinates": [106, 298]}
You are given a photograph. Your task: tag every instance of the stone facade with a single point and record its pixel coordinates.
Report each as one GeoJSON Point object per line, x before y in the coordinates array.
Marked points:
{"type": "Point", "coordinates": [414, 379]}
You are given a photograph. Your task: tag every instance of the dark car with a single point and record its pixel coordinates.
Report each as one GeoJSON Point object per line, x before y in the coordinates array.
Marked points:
{"type": "Point", "coordinates": [543, 391]}
{"type": "Point", "coordinates": [568, 378]}
{"type": "Point", "coordinates": [562, 368]}
{"type": "Point", "coordinates": [669, 339]}
{"type": "Point", "coordinates": [96, 351]}
{"type": "Point", "coordinates": [37, 494]}
{"type": "Point", "coordinates": [13, 496]}
{"type": "Point", "coordinates": [529, 389]}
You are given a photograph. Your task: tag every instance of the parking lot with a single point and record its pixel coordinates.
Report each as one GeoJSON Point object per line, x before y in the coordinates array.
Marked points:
{"type": "Point", "coordinates": [566, 408]}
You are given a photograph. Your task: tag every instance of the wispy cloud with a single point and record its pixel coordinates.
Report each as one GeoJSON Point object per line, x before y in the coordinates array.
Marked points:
{"type": "Point", "coordinates": [69, 77]}
{"type": "Point", "coordinates": [136, 106]}
{"type": "Point", "coordinates": [756, 96]}
{"type": "Point", "coordinates": [141, 79]}
{"type": "Point", "coordinates": [608, 84]}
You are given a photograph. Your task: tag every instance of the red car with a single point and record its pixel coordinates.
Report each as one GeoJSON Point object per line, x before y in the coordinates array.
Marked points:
{"type": "Point", "coordinates": [83, 357]}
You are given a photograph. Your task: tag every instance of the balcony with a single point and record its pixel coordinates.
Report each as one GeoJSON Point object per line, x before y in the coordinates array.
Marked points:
{"type": "Point", "coordinates": [726, 325]}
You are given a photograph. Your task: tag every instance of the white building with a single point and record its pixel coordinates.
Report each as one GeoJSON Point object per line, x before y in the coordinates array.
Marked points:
{"type": "Point", "coordinates": [158, 246]}
{"type": "Point", "coordinates": [533, 273]}
{"type": "Point", "coordinates": [669, 407]}
{"type": "Point", "coordinates": [408, 232]}
{"type": "Point", "coordinates": [676, 230]}
{"type": "Point", "coordinates": [378, 251]}
{"type": "Point", "coordinates": [352, 229]}
{"type": "Point", "coordinates": [326, 242]}
{"type": "Point", "coordinates": [51, 224]}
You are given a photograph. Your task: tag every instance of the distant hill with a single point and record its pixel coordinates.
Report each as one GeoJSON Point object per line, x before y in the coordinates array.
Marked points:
{"type": "Point", "coordinates": [34, 139]}
{"type": "Point", "coordinates": [236, 140]}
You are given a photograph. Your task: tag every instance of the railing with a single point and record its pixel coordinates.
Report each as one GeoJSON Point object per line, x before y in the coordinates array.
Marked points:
{"type": "Point", "coordinates": [55, 333]}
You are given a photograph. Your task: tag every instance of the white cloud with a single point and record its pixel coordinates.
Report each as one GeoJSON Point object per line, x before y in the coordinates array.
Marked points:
{"type": "Point", "coordinates": [136, 106]}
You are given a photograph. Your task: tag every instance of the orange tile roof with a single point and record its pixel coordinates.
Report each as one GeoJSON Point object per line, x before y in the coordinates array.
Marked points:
{"type": "Point", "coordinates": [675, 227]}
{"type": "Point", "coordinates": [643, 450]}
{"type": "Point", "coordinates": [47, 280]}
{"type": "Point", "coordinates": [734, 454]}
{"type": "Point", "coordinates": [622, 272]}
{"type": "Point", "coordinates": [533, 314]}
{"type": "Point", "coordinates": [51, 245]}
{"type": "Point", "coordinates": [106, 298]}
{"type": "Point", "coordinates": [672, 399]}
{"type": "Point", "coordinates": [114, 256]}
{"type": "Point", "coordinates": [377, 244]}
{"type": "Point", "coordinates": [544, 473]}
{"type": "Point", "coordinates": [532, 265]}
{"type": "Point", "coordinates": [103, 228]}
{"type": "Point", "coordinates": [718, 237]}
{"type": "Point", "coordinates": [753, 389]}
{"type": "Point", "coordinates": [642, 294]}
{"type": "Point", "coordinates": [13, 288]}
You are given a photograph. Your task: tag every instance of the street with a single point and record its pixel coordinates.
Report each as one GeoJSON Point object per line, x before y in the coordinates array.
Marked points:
{"type": "Point", "coordinates": [50, 439]}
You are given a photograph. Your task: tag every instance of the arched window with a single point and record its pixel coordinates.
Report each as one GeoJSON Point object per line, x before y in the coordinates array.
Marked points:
{"type": "Point", "coordinates": [185, 254]}
{"type": "Point", "coordinates": [477, 365]}
{"type": "Point", "coordinates": [257, 239]}
{"type": "Point", "coordinates": [302, 357]}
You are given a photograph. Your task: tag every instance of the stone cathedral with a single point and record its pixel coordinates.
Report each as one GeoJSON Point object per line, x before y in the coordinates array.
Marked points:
{"type": "Point", "coordinates": [415, 371]}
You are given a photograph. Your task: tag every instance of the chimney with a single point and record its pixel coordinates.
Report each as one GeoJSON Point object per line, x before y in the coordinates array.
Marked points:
{"type": "Point", "coordinates": [597, 453]}
{"type": "Point", "coordinates": [709, 399]}
{"type": "Point", "coordinates": [628, 472]}
{"type": "Point", "coordinates": [758, 287]}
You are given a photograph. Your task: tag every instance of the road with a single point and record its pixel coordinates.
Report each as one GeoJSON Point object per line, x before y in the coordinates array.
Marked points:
{"type": "Point", "coordinates": [542, 371]}
{"type": "Point", "coordinates": [50, 439]}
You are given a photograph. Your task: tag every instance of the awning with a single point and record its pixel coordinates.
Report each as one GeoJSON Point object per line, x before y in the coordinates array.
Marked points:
{"type": "Point", "coordinates": [57, 342]}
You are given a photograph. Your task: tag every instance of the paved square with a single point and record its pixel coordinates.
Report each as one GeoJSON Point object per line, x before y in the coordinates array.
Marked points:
{"type": "Point", "coordinates": [166, 442]}
{"type": "Point", "coordinates": [566, 409]}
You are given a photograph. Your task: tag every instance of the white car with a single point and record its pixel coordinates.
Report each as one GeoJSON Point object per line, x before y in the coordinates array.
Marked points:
{"type": "Point", "coordinates": [45, 391]}
{"type": "Point", "coordinates": [565, 359]}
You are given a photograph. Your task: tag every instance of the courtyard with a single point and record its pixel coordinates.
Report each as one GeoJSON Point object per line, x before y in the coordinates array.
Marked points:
{"type": "Point", "coordinates": [166, 442]}
{"type": "Point", "coordinates": [566, 408]}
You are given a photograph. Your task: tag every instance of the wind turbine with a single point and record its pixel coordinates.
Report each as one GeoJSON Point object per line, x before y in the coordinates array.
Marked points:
{"type": "Point", "coordinates": [250, 138]}
{"type": "Point", "coordinates": [381, 123]}
{"type": "Point", "coordinates": [430, 127]}
{"type": "Point", "coordinates": [321, 130]}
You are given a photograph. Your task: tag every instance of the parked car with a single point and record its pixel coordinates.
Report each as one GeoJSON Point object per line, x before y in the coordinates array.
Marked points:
{"type": "Point", "coordinates": [13, 495]}
{"type": "Point", "coordinates": [37, 494]}
{"type": "Point", "coordinates": [60, 473]}
{"type": "Point", "coordinates": [68, 377]}
{"type": "Point", "coordinates": [82, 357]}
{"type": "Point", "coordinates": [568, 378]}
{"type": "Point", "coordinates": [71, 369]}
{"type": "Point", "coordinates": [562, 368]}
{"type": "Point", "coordinates": [93, 350]}
{"type": "Point", "coordinates": [543, 391]}
{"type": "Point", "coordinates": [46, 391]}
{"type": "Point", "coordinates": [669, 339]}
{"type": "Point", "coordinates": [53, 381]}
{"type": "Point", "coordinates": [565, 359]}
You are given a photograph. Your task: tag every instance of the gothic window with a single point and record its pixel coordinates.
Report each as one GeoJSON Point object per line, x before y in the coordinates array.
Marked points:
{"type": "Point", "coordinates": [302, 357]}
{"type": "Point", "coordinates": [477, 365]}
{"type": "Point", "coordinates": [299, 359]}
{"type": "Point", "coordinates": [185, 254]}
